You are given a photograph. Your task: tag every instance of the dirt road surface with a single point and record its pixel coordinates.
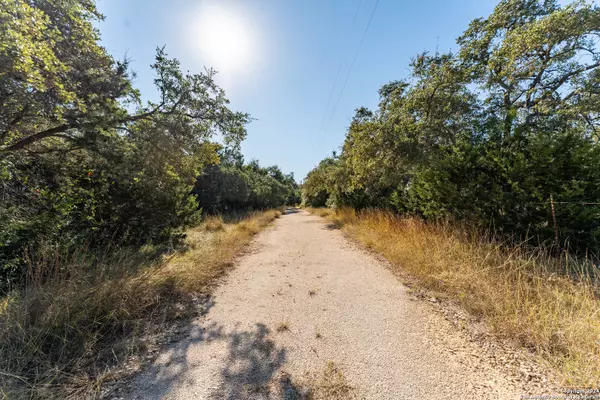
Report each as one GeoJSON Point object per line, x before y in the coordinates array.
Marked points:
{"type": "Point", "coordinates": [302, 298]}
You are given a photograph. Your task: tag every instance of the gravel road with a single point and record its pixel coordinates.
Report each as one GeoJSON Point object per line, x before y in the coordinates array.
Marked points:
{"type": "Point", "coordinates": [304, 296]}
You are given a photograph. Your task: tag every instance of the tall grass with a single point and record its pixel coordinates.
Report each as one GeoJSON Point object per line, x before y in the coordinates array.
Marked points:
{"type": "Point", "coordinates": [548, 304]}
{"type": "Point", "coordinates": [81, 315]}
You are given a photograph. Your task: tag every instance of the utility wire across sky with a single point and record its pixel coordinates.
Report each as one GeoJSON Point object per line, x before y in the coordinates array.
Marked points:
{"type": "Point", "coordinates": [352, 65]}
{"type": "Point", "coordinates": [337, 73]}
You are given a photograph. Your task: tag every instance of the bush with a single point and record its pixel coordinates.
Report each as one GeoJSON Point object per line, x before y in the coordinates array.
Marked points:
{"type": "Point", "coordinates": [472, 137]}
{"type": "Point", "coordinates": [229, 186]}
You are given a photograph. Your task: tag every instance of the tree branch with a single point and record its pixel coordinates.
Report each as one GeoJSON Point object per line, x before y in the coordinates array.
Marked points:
{"type": "Point", "coordinates": [57, 130]}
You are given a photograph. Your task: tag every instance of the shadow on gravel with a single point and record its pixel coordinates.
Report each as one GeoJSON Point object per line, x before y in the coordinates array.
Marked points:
{"type": "Point", "coordinates": [291, 211]}
{"type": "Point", "coordinates": [167, 373]}
{"type": "Point", "coordinates": [332, 227]}
{"type": "Point", "coordinates": [251, 369]}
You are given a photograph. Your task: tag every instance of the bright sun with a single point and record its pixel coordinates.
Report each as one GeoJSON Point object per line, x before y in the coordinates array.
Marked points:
{"type": "Point", "coordinates": [225, 39]}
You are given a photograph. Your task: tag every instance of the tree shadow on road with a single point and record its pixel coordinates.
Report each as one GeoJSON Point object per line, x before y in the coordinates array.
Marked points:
{"type": "Point", "coordinates": [250, 370]}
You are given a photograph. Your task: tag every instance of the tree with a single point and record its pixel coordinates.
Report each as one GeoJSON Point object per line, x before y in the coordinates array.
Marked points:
{"type": "Point", "coordinates": [538, 63]}
{"type": "Point", "coordinates": [54, 77]}
{"type": "Point", "coordinates": [82, 159]}
{"type": "Point", "coordinates": [57, 82]}
{"type": "Point", "coordinates": [233, 186]}
{"type": "Point", "coordinates": [488, 134]}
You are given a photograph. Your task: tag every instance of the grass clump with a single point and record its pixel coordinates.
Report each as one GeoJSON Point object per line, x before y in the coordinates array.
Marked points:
{"type": "Point", "coordinates": [321, 212]}
{"type": "Point", "coordinates": [283, 326]}
{"type": "Point", "coordinates": [81, 316]}
{"type": "Point", "coordinates": [327, 383]}
{"type": "Point", "coordinates": [549, 304]}
{"type": "Point", "coordinates": [330, 384]}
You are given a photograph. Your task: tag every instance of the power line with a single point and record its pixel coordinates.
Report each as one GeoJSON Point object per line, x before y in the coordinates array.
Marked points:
{"type": "Point", "coordinates": [338, 72]}
{"type": "Point", "coordinates": [356, 13]}
{"type": "Point", "coordinates": [330, 95]}
{"type": "Point", "coordinates": [352, 65]}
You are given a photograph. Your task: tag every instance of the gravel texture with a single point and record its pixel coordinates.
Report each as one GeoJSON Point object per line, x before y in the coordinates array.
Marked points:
{"type": "Point", "coordinates": [304, 296]}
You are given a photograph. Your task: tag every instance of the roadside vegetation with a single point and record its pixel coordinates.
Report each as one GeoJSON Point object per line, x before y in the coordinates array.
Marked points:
{"type": "Point", "coordinates": [478, 174]}
{"type": "Point", "coordinates": [64, 337]}
{"type": "Point", "coordinates": [546, 304]}
{"type": "Point", "coordinates": [328, 383]}
{"type": "Point", "coordinates": [115, 211]}
{"type": "Point", "coordinates": [496, 134]}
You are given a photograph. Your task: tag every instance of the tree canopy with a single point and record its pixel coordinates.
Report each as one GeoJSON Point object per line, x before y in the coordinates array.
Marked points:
{"type": "Point", "coordinates": [489, 134]}
{"type": "Point", "coordinates": [84, 160]}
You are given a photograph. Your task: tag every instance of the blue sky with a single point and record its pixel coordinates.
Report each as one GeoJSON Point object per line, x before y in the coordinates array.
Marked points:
{"type": "Point", "coordinates": [278, 59]}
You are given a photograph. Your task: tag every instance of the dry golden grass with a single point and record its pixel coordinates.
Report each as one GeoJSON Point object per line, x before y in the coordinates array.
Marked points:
{"type": "Point", "coordinates": [321, 212]}
{"type": "Point", "coordinates": [71, 328]}
{"type": "Point", "coordinates": [547, 304]}
{"type": "Point", "coordinates": [329, 384]}
{"type": "Point", "coordinates": [283, 326]}
{"type": "Point", "coordinates": [209, 255]}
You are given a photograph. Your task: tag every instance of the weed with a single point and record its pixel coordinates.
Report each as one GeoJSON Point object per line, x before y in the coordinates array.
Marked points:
{"type": "Point", "coordinates": [81, 315]}
{"type": "Point", "coordinates": [283, 326]}
{"type": "Point", "coordinates": [214, 224]}
{"type": "Point", "coordinates": [330, 384]}
{"type": "Point", "coordinates": [547, 304]}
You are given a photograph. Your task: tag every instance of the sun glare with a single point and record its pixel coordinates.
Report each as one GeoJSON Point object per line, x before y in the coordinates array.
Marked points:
{"type": "Point", "coordinates": [225, 39]}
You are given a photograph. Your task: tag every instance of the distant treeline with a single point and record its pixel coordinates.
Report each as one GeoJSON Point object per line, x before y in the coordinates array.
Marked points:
{"type": "Point", "coordinates": [233, 185]}
{"type": "Point", "coordinates": [84, 161]}
{"type": "Point", "coordinates": [491, 135]}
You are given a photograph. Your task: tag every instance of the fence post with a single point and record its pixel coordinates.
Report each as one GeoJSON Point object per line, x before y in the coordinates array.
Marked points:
{"type": "Point", "coordinates": [554, 221]}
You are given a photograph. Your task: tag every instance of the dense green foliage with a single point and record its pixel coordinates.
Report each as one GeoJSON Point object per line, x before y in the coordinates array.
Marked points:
{"type": "Point", "coordinates": [233, 185]}
{"type": "Point", "coordinates": [490, 134]}
{"type": "Point", "coordinates": [83, 160]}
